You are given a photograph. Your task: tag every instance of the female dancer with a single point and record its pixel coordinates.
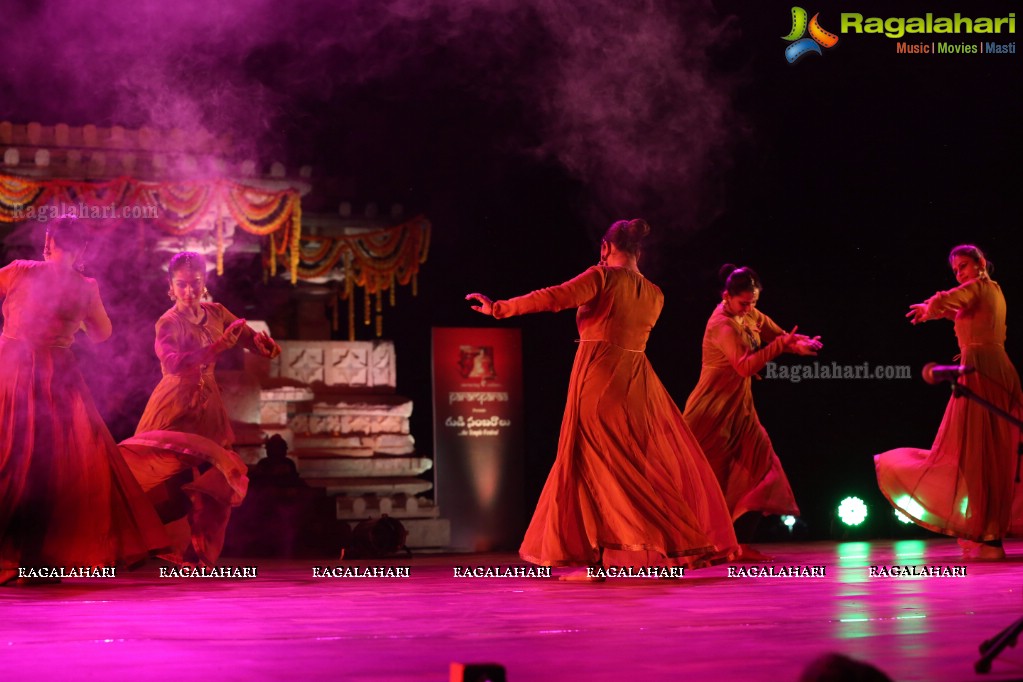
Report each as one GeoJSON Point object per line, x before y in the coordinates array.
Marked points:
{"type": "Point", "coordinates": [738, 342]}
{"type": "Point", "coordinates": [180, 449]}
{"type": "Point", "coordinates": [66, 497]}
{"type": "Point", "coordinates": [628, 477]}
{"type": "Point", "coordinates": [963, 485]}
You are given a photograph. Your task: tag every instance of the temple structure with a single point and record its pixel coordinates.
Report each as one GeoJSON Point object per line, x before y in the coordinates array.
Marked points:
{"type": "Point", "coordinates": [334, 401]}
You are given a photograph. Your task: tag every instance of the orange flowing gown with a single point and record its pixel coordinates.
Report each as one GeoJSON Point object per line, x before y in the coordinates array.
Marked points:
{"type": "Point", "coordinates": [66, 496]}
{"type": "Point", "coordinates": [181, 448]}
{"type": "Point", "coordinates": [630, 484]}
{"type": "Point", "coordinates": [188, 399]}
{"type": "Point", "coordinates": [721, 414]}
{"type": "Point", "coordinates": [963, 486]}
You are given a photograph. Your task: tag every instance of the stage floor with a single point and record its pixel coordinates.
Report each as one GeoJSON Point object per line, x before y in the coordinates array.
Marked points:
{"type": "Point", "coordinates": [288, 624]}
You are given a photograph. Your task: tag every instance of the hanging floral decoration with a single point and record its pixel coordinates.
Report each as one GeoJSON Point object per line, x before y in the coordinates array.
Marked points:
{"type": "Point", "coordinates": [376, 260]}
{"type": "Point", "coordinates": [177, 208]}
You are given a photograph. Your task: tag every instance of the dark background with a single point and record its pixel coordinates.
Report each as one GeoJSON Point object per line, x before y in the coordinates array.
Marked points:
{"type": "Point", "coordinates": [843, 180]}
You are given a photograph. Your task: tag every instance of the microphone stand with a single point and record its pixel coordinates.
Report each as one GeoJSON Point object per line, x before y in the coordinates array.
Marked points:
{"type": "Point", "coordinates": [990, 648]}
{"type": "Point", "coordinates": [959, 390]}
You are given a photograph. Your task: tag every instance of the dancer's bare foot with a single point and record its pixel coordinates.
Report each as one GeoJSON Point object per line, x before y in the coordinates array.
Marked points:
{"type": "Point", "coordinates": [981, 551]}
{"type": "Point", "coordinates": [748, 553]}
{"type": "Point", "coordinates": [988, 553]}
{"type": "Point", "coordinates": [583, 575]}
{"type": "Point", "coordinates": [969, 547]}
{"type": "Point", "coordinates": [194, 565]}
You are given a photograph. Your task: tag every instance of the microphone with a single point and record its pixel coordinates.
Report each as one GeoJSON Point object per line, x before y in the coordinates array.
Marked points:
{"type": "Point", "coordinates": [933, 372]}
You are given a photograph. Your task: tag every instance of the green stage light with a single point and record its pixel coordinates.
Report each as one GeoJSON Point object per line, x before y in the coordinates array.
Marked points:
{"type": "Point", "coordinates": [788, 520]}
{"type": "Point", "coordinates": [914, 510]}
{"type": "Point", "coordinates": [852, 511]}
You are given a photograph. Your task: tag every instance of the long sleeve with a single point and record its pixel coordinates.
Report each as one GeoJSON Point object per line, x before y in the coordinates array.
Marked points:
{"type": "Point", "coordinates": [7, 277]}
{"type": "Point", "coordinates": [247, 338]}
{"type": "Point", "coordinates": [747, 363]}
{"type": "Point", "coordinates": [769, 330]}
{"type": "Point", "coordinates": [576, 292]}
{"type": "Point", "coordinates": [170, 339]}
{"type": "Point", "coordinates": [96, 323]}
{"type": "Point", "coordinates": [178, 351]}
{"type": "Point", "coordinates": [947, 303]}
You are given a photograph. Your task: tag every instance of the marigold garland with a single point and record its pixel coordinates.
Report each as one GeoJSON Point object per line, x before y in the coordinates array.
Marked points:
{"type": "Point", "coordinates": [181, 207]}
{"type": "Point", "coordinates": [377, 261]}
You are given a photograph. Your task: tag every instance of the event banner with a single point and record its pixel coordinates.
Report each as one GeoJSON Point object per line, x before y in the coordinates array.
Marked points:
{"type": "Point", "coordinates": [478, 435]}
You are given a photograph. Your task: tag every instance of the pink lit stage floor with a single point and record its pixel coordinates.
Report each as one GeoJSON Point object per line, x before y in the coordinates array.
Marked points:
{"type": "Point", "coordinates": [286, 624]}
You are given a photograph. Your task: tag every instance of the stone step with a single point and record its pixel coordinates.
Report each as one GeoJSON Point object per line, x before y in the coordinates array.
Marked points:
{"type": "Point", "coordinates": [356, 445]}
{"type": "Point", "coordinates": [353, 415]}
{"type": "Point", "coordinates": [250, 440]}
{"type": "Point", "coordinates": [333, 453]}
{"type": "Point", "coordinates": [276, 404]}
{"type": "Point", "coordinates": [399, 507]}
{"type": "Point", "coordinates": [250, 454]}
{"type": "Point", "coordinates": [347, 402]}
{"type": "Point", "coordinates": [382, 485]}
{"type": "Point", "coordinates": [331, 466]}
{"type": "Point", "coordinates": [286, 394]}
{"type": "Point", "coordinates": [427, 533]}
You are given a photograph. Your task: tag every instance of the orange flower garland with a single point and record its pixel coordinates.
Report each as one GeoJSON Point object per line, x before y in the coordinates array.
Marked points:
{"type": "Point", "coordinates": [181, 207]}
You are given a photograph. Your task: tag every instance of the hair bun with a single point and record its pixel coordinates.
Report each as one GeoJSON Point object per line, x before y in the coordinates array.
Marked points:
{"type": "Point", "coordinates": [973, 253]}
{"type": "Point", "coordinates": [726, 270]}
{"type": "Point", "coordinates": [627, 235]}
{"type": "Point", "coordinates": [187, 260]}
{"type": "Point", "coordinates": [69, 232]}
{"type": "Point", "coordinates": [638, 229]}
{"type": "Point", "coordinates": [739, 280]}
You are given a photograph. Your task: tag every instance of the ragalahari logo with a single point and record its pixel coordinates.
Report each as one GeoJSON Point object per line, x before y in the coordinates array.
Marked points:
{"type": "Point", "coordinates": [801, 45]}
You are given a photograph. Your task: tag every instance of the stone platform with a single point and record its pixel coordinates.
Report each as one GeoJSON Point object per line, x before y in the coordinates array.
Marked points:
{"type": "Point", "coordinates": [347, 430]}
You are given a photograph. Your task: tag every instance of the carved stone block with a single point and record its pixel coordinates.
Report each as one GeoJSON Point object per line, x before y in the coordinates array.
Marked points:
{"type": "Point", "coordinates": [341, 364]}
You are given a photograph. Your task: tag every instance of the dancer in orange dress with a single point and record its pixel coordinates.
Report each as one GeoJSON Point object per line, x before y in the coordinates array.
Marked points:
{"type": "Point", "coordinates": [963, 485]}
{"type": "Point", "coordinates": [67, 499]}
{"type": "Point", "coordinates": [738, 342]}
{"type": "Point", "coordinates": [180, 452]}
{"type": "Point", "coordinates": [630, 485]}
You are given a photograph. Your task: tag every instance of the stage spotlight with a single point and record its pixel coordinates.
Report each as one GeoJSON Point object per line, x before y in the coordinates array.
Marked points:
{"type": "Point", "coordinates": [852, 511]}
{"type": "Point", "coordinates": [902, 517]}
{"type": "Point", "coordinates": [782, 528]}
